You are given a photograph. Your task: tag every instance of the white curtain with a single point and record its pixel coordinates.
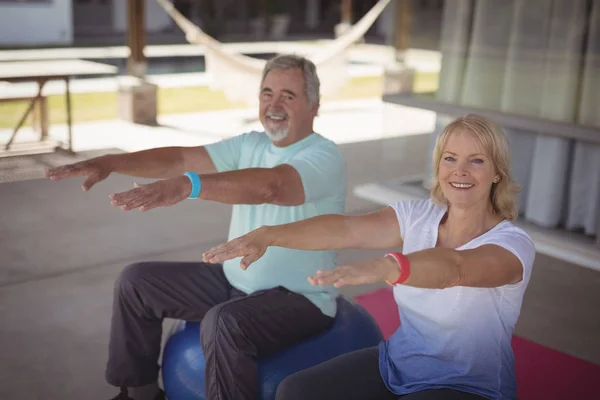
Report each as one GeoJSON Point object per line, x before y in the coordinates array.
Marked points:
{"type": "Point", "coordinates": [584, 195]}
{"type": "Point", "coordinates": [537, 58]}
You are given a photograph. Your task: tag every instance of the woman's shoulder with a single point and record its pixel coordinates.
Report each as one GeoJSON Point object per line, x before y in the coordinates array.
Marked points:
{"type": "Point", "coordinates": [508, 235]}
{"type": "Point", "coordinates": [509, 228]}
{"type": "Point", "coordinates": [418, 206]}
{"type": "Point", "coordinates": [417, 212]}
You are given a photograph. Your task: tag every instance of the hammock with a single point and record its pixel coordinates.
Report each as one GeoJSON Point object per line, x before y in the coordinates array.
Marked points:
{"type": "Point", "coordinates": [238, 75]}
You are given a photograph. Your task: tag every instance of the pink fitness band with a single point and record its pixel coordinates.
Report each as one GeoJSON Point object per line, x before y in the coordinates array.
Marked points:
{"type": "Point", "coordinates": [404, 265]}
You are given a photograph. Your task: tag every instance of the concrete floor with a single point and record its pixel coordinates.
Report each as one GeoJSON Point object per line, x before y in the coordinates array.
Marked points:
{"type": "Point", "coordinates": [61, 250]}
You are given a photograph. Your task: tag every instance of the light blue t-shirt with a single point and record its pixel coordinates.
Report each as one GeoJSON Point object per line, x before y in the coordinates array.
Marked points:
{"type": "Point", "coordinates": [322, 169]}
{"type": "Point", "coordinates": [460, 337]}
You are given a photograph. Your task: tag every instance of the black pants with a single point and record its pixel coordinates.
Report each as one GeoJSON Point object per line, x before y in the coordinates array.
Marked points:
{"type": "Point", "coordinates": [236, 328]}
{"type": "Point", "coordinates": [353, 376]}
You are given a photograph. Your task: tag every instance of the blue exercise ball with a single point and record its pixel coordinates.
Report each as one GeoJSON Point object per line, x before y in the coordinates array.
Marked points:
{"type": "Point", "coordinates": [183, 360]}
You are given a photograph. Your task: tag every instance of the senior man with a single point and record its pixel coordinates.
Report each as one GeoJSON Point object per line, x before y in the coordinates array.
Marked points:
{"type": "Point", "coordinates": [283, 174]}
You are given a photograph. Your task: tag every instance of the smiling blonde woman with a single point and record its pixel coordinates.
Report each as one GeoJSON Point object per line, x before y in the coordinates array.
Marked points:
{"type": "Point", "coordinates": [487, 135]}
{"type": "Point", "coordinates": [459, 282]}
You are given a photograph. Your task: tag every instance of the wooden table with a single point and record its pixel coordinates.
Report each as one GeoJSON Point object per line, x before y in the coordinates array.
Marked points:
{"type": "Point", "coordinates": [44, 71]}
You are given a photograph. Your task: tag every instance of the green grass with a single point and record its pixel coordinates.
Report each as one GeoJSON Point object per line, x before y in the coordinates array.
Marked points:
{"type": "Point", "coordinates": [103, 106]}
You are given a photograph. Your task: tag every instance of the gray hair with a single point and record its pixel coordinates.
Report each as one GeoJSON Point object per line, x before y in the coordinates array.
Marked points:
{"type": "Point", "coordinates": [308, 68]}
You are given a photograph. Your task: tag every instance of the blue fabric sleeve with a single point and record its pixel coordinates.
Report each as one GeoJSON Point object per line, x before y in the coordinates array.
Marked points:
{"type": "Point", "coordinates": [226, 153]}
{"type": "Point", "coordinates": [319, 167]}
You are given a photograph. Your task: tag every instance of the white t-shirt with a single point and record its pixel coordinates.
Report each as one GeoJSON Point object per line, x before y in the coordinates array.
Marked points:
{"type": "Point", "coordinates": [460, 337]}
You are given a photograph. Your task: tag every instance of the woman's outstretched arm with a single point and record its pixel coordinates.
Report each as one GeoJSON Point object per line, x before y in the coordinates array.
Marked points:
{"type": "Point", "coordinates": [377, 230]}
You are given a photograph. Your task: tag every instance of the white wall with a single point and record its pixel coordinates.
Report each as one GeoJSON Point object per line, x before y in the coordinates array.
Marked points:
{"type": "Point", "coordinates": [36, 23]}
{"type": "Point", "coordinates": [156, 18]}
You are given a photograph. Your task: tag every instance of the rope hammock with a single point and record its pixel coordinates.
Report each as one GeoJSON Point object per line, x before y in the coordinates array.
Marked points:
{"type": "Point", "coordinates": [238, 75]}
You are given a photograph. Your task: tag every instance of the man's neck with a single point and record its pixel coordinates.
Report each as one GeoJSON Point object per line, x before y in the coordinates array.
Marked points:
{"type": "Point", "coordinates": [294, 137]}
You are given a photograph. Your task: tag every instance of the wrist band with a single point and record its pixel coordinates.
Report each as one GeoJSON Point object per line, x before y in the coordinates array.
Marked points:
{"type": "Point", "coordinates": [404, 265]}
{"type": "Point", "coordinates": [196, 184]}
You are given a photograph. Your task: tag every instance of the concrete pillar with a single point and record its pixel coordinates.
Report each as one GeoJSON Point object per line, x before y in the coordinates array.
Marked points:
{"type": "Point", "coordinates": [138, 101]}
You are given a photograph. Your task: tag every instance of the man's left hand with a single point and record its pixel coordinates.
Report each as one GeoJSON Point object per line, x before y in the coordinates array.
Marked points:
{"type": "Point", "coordinates": [158, 194]}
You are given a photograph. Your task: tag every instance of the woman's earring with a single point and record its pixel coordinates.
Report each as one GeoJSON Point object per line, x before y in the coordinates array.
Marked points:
{"type": "Point", "coordinates": [496, 179]}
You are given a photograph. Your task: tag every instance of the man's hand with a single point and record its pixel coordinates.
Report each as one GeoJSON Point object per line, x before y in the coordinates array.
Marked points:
{"type": "Point", "coordinates": [158, 194]}
{"type": "Point", "coordinates": [95, 170]}
{"type": "Point", "coordinates": [380, 269]}
{"type": "Point", "coordinates": [250, 247]}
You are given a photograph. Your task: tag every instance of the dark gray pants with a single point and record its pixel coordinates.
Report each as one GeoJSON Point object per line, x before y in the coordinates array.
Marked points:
{"type": "Point", "coordinates": [236, 328]}
{"type": "Point", "coordinates": [353, 376]}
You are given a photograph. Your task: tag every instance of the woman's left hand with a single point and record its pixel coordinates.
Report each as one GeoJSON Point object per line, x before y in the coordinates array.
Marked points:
{"type": "Point", "coordinates": [250, 247]}
{"type": "Point", "coordinates": [380, 269]}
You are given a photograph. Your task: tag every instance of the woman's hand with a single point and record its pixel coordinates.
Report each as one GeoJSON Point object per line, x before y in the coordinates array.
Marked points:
{"type": "Point", "coordinates": [250, 247]}
{"type": "Point", "coordinates": [379, 269]}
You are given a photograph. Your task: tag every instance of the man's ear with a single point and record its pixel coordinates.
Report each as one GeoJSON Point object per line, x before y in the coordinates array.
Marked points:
{"type": "Point", "coordinates": [315, 110]}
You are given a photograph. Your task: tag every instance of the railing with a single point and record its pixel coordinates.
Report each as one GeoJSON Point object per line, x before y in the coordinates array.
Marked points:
{"type": "Point", "coordinates": [517, 121]}
{"type": "Point", "coordinates": [552, 214]}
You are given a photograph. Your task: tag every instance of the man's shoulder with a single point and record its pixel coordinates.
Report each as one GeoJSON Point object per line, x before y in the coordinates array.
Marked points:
{"type": "Point", "coordinates": [322, 145]}
{"type": "Point", "coordinates": [254, 140]}
{"type": "Point", "coordinates": [321, 140]}
{"type": "Point", "coordinates": [242, 138]}
{"type": "Point", "coordinates": [257, 136]}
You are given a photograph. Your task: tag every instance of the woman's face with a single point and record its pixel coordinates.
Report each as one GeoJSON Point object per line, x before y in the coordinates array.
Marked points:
{"type": "Point", "coordinates": [466, 171]}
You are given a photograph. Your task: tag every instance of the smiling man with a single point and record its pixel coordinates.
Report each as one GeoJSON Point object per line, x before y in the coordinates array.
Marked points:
{"type": "Point", "coordinates": [284, 174]}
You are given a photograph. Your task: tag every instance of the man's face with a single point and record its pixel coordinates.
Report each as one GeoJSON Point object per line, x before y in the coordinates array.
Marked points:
{"type": "Point", "coordinates": [284, 109]}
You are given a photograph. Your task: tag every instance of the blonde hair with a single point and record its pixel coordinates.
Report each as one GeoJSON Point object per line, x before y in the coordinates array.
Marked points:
{"type": "Point", "coordinates": [492, 138]}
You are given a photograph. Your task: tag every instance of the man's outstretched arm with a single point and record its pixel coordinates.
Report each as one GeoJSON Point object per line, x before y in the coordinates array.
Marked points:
{"type": "Point", "coordinates": [281, 185]}
{"type": "Point", "coordinates": [165, 162]}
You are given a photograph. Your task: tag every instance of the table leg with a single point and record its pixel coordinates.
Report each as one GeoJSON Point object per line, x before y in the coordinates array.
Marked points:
{"type": "Point", "coordinates": [40, 118]}
{"type": "Point", "coordinates": [69, 119]}
{"type": "Point", "coordinates": [27, 112]}
{"type": "Point", "coordinates": [44, 117]}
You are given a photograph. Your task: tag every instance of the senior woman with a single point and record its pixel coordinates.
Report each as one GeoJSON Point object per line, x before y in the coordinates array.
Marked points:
{"type": "Point", "coordinates": [458, 284]}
